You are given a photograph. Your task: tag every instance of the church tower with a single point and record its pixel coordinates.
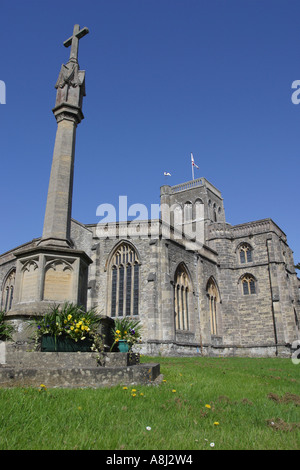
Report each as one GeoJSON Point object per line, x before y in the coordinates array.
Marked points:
{"type": "Point", "coordinates": [190, 207]}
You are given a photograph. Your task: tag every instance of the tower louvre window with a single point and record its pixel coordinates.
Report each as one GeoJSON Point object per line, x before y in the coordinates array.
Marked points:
{"type": "Point", "coordinates": [245, 253]}
{"type": "Point", "coordinates": [249, 285]}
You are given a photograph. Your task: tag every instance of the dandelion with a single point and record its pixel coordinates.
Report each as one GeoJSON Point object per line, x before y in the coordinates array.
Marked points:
{"type": "Point", "coordinates": [141, 394]}
{"type": "Point", "coordinates": [174, 391]}
{"type": "Point", "coordinates": [207, 406]}
{"type": "Point", "coordinates": [216, 423]}
{"type": "Point", "coordinates": [133, 390]}
{"type": "Point", "coordinates": [164, 380]}
{"type": "Point", "coordinates": [125, 388]}
{"type": "Point", "coordinates": [212, 444]}
{"type": "Point", "coordinates": [133, 394]}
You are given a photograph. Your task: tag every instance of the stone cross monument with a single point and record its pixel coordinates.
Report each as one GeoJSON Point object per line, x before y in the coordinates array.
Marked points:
{"type": "Point", "coordinates": [68, 113]}
{"type": "Point", "coordinates": [54, 271]}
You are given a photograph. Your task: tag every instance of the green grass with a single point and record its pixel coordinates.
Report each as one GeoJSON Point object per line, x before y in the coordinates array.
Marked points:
{"type": "Point", "coordinates": [245, 396]}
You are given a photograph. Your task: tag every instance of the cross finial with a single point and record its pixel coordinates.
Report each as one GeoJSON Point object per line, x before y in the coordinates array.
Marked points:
{"type": "Point", "coordinates": [73, 41]}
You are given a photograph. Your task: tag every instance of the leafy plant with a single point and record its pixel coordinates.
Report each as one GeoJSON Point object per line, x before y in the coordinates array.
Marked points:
{"type": "Point", "coordinates": [6, 329]}
{"type": "Point", "coordinates": [69, 320]}
{"type": "Point", "coordinates": [128, 329]}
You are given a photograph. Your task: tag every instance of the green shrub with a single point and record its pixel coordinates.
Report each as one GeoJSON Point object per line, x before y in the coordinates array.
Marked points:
{"type": "Point", "coordinates": [6, 329]}
{"type": "Point", "coordinates": [69, 320]}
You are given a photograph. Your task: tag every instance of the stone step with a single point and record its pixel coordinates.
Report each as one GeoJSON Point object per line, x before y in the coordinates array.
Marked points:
{"type": "Point", "coordinates": [78, 377]}
{"type": "Point", "coordinates": [61, 360]}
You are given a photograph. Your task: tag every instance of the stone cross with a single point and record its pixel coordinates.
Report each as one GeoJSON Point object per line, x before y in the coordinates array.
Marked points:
{"type": "Point", "coordinates": [73, 41]}
{"type": "Point", "coordinates": [68, 113]}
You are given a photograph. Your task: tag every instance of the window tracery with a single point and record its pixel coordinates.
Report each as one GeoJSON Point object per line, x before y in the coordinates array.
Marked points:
{"type": "Point", "coordinates": [124, 282]}
{"type": "Point", "coordinates": [181, 290]}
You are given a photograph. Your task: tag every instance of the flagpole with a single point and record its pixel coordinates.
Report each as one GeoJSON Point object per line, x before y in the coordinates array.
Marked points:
{"type": "Point", "coordinates": [192, 162]}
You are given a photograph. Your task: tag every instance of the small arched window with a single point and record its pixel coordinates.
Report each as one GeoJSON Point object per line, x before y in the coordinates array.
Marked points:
{"type": "Point", "coordinates": [182, 289]}
{"type": "Point", "coordinates": [248, 285]}
{"type": "Point", "coordinates": [124, 282]}
{"type": "Point", "coordinates": [245, 253]}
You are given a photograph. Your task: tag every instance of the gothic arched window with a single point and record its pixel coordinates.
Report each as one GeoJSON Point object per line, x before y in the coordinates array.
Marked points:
{"type": "Point", "coordinates": [245, 253]}
{"type": "Point", "coordinates": [8, 291]}
{"type": "Point", "coordinates": [124, 282]}
{"type": "Point", "coordinates": [248, 284]}
{"type": "Point", "coordinates": [182, 289]}
{"type": "Point", "coordinates": [213, 299]}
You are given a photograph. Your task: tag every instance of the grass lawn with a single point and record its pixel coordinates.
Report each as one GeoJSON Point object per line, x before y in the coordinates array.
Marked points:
{"type": "Point", "coordinates": [203, 403]}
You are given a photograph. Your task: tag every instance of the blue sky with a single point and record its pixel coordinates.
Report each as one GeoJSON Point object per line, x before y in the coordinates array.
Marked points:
{"type": "Point", "coordinates": [164, 78]}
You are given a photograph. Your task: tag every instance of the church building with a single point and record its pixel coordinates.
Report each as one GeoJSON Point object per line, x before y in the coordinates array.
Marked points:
{"type": "Point", "coordinates": [199, 285]}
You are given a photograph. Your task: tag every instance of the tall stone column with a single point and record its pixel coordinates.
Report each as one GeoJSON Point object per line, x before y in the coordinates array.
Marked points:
{"type": "Point", "coordinates": [53, 271]}
{"type": "Point", "coordinates": [68, 113]}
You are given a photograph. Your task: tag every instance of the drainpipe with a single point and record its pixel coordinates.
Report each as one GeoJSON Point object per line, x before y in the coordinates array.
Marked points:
{"type": "Point", "coordinates": [198, 301]}
{"type": "Point", "coordinates": [272, 302]}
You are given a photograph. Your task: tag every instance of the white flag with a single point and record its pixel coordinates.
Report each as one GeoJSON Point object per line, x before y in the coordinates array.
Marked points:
{"type": "Point", "coordinates": [193, 163]}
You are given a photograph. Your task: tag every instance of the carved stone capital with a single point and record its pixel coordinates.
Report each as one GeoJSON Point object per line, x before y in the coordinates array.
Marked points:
{"type": "Point", "coordinates": [68, 112]}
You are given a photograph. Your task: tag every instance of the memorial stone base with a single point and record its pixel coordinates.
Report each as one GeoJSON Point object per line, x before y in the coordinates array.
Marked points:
{"type": "Point", "coordinates": [21, 368]}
